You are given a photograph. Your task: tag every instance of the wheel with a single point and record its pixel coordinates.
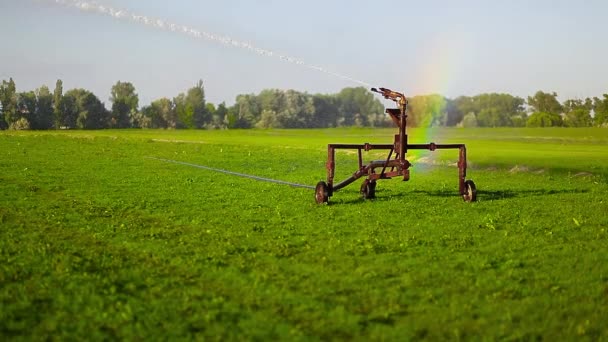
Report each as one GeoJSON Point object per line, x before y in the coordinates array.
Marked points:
{"type": "Point", "coordinates": [470, 191]}
{"type": "Point", "coordinates": [322, 192]}
{"type": "Point", "coordinates": [368, 189]}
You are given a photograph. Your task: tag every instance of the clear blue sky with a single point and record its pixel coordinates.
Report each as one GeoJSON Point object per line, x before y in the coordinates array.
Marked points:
{"type": "Point", "coordinates": [454, 48]}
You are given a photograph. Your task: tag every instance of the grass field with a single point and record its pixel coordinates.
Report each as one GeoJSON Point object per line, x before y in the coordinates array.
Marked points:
{"type": "Point", "coordinates": [98, 241]}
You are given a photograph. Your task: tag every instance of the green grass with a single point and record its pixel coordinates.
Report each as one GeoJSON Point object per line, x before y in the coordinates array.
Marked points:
{"type": "Point", "coordinates": [99, 242]}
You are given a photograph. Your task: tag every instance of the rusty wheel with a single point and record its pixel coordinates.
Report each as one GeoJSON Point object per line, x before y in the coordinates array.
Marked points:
{"type": "Point", "coordinates": [470, 191]}
{"type": "Point", "coordinates": [368, 189]}
{"type": "Point", "coordinates": [322, 192]}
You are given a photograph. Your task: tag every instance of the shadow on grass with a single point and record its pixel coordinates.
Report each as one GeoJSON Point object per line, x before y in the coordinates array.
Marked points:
{"type": "Point", "coordinates": [493, 195]}
{"type": "Point", "coordinates": [482, 195]}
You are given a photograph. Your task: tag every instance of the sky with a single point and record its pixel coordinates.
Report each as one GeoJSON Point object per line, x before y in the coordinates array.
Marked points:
{"type": "Point", "coordinates": [453, 48]}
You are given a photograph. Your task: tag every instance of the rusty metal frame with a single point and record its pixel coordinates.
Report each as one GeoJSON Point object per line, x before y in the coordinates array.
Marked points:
{"type": "Point", "coordinates": [396, 164]}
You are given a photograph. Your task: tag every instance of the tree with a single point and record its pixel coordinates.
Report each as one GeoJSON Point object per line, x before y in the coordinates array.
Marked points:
{"type": "Point", "coordinates": [579, 117]}
{"type": "Point", "coordinates": [20, 124]}
{"type": "Point", "coordinates": [519, 120]}
{"type": "Point", "coordinates": [570, 105]}
{"type": "Point", "coordinates": [125, 103]}
{"type": "Point", "coordinates": [184, 113]}
{"type": "Point", "coordinates": [463, 106]}
{"type": "Point", "coordinates": [491, 117]}
{"type": "Point", "coordinates": [26, 108]}
{"type": "Point", "coordinates": [577, 113]}
{"type": "Point", "coordinates": [191, 109]}
{"type": "Point", "coordinates": [326, 111]}
{"type": "Point", "coordinates": [215, 120]}
{"type": "Point", "coordinates": [541, 119]}
{"type": "Point", "coordinates": [356, 106]}
{"type": "Point", "coordinates": [453, 114]}
{"type": "Point", "coordinates": [496, 109]}
{"type": "Point", "coordinates": [8, 98]}
{"type": "Point", "coordinates": [545, 102]}
{"type": "Point", "coordinates": [69, 110]}
{"type": "Point", "coordinates": [427, 110]}
{"type": "Point", "coordinates": [161, 114]}
{"type": "Point", "coordinates": [272, 103]}
{"type": "Point", "coordinates": [58, 104]}
{"type": "Point", "coordinates": [469, 120]}
{"type": "Point", "coordinates": [219, 116]}
{"type": "Point", "coordinates": [246, 112]}
{"type": "Point", "coordinates": [89, 111]}
{"type": "Point", "coordinates": [298, 110]}
{"type": "Point", "coordinates": [600, 107]}
{"type": "Point", "coordinates": [268, 119]}
{"type": "Point", "coordinates": [195, 99]}
{"type": "Point", "coordinates": [93, 114]}
{"type": "Point", "coordinates": [490, 110]}
{"type": "Point", "coordinates": [43, 117]}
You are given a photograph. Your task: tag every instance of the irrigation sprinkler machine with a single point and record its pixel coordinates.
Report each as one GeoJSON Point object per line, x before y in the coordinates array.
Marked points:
{"type": "Point", "coordinates": [395, 164]}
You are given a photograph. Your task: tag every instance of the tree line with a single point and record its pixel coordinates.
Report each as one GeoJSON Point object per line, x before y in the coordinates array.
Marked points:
{"type": "Point", "coordinates": [273, 108]}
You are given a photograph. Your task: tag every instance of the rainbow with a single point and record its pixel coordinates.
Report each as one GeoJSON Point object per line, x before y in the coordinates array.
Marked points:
{"type": "Point", "coordinates": [438, 72]}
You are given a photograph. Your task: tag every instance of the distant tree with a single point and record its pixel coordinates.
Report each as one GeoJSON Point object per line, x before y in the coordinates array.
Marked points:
{"type": "Point", "coordinates": [577, 113]}
{"type": "Point", "coordinates": [600, 108]}
{"type": "Point", "coordinates": [58, 104]}
{"type": "Point", "coordinates": [93, 114]}
{"type": "Point", "coordinates": [268, 119]}
{"type": "Point", "coordinates": [469, 120]}
{"type": "Point", "coordinates": [26, 107]}
{"type": "Point", "coordinates": [298, 111]}
{"type": "Point", "coordinates": [492, 117]}
{"type": "Point", "coordinates": [195, 99]}
{"type": "Point", "coordinates": [125, 103]}
{"type": "Point", "coordinates": [191, 108]}
{"type": "Point", "coordinates": [120, 116]}
{"type": "Point", "coordinates": [453, 114]}
{"type": "Point", "coordinates": [545, 103]}
{"type": "Point", "coordinates": [541, 119]}
{"type": "Point", "coordinates": [356, 106]}
{"type": "Point", "coordinates": [72, 106]}
{"type": "Point", "coordinates": [463, 105]}
{"type": "Point", "coordinates": [578, 118]}
{"type": "Point", "coordinates": [220, 115]}
{"type": "Point", "coordinates": [43, 116]}
{"type": "Point", "coordinates": [427, 110]}
{"type": "Point", "coordinates": [496, 109]}
{"type": "Point", "coordinates": [490, 109]}
{"type": "Point", "coordinates": [245, 113]}
{"type": "Point", "coordinates": [271, 99]}
{"type": "Point", "coordinates": [139, 120]}
{"type": "Point", "coordinates": [326, 111]}
{"type": "Point", "coordinates": [8, 98]}
{"type": "Point", "coordinates": [89, 111]}
{"type": "Point", "coordinates": [184, 113]}
{"type": "Point", "coordinates": [69, 110]}
{"type": "Point", "coordinates": [210, 108]}
{"type": "Point", "coordinates": [19, 125]}
{"type": "Point", "coordinates": [161, 114]}
{"type": "Point", "coordinates": [518, 120]}
{"type": "Point", "coordinates": [570, 104]}
{"type": "Point", "coordinates": [214, 121]}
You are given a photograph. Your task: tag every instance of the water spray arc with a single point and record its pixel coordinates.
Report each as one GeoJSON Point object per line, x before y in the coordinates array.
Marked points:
{"type": "Point", "coordinates": [194, 33]}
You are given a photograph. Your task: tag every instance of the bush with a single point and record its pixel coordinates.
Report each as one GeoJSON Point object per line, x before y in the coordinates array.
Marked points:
{"type": "Point", "coordinates": [542, 119]}
{"type": "Point", "coordinates": [469, 120]}
{"type": "Point", "coordinates": [20, 125]}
